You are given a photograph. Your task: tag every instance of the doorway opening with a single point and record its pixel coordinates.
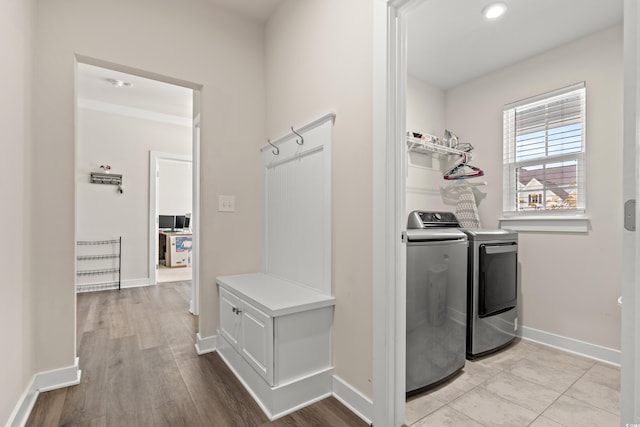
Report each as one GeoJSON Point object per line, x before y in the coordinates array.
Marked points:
{"type": "Point", "coordinates": [124, 115]}
{"type": "Point", "coordinates": [170, 206]}
{"type": "Point", "coordinates": [390, 160]}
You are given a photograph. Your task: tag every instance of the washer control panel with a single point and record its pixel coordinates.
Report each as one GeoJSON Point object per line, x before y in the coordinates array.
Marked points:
{"type": "Point", "coordinates": [427, 219]}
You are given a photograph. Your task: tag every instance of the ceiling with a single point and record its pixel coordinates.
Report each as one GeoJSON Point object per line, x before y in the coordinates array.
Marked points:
{"type": "Point", "coordinates": [450, 42]}
{"type": "Point", "coordinates": [144, 94]}
{"type": "Point", "coordinates": [152, 95]}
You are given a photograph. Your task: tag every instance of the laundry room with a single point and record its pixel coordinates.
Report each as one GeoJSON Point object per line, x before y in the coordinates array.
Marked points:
{"type": "Point", "coordinates": [475, 120]}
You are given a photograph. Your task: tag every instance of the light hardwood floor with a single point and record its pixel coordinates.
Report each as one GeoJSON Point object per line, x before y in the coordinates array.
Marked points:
{"type": "Point", "coordinates": [140, 368]}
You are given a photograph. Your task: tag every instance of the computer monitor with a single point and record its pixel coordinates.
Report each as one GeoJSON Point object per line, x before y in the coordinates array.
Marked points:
{"type": "Point", "coordinates": [166, 221]}
{"type": "Point", "coordinates": [180, 222]}
{"type": "Point", "coordinates": [187, 222]}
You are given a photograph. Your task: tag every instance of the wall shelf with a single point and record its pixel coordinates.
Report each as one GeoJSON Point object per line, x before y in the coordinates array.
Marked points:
{"type": "Point", "coordinates": [417, 145]}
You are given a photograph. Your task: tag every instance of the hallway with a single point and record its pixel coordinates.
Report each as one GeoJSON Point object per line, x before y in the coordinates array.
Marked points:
{"type": "Point", "coordinates": [140, 368]}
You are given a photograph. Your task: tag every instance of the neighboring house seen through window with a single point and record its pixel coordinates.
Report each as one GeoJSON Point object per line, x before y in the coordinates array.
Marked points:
{"type": "Point", "coordinates": [544, 154]}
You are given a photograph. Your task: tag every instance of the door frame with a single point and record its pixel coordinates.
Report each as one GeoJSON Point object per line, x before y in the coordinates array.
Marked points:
{"type": "Point", "coordinates": [630, 357]}
{"type": "Point", "coordinates": [194, 305]}
{"type": "Point", "coordinates": [155, 157]}
{"type": "Point", "coordinates": [389, 266]}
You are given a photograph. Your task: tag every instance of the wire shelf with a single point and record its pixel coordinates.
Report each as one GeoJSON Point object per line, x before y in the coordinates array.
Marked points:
{"type": "Point", "coordinates": [92, 287]}
{"type": "Point", "coordinates": [96, 257]}
{"type": "Point", "coordinates": [418, 145]}
{"type": "Point", "coordinates": [97, 272]}
{"type": "Point", "coordinates": [97, 242]}
{"type": "Point", "coordinates": [93, 269]}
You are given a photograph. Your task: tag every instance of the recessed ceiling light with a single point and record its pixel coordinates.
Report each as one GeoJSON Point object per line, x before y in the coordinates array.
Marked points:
{"type": "Point", "coordinates": [494, 10]}
{"type": "Point", "coordinates": [119, 83]}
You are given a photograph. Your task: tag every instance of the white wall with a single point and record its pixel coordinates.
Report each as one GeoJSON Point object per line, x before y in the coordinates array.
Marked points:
{"type": "Point", "coordinates": [123, 142]}
{"type": "Point", "coordinates": [570, 283]}
{"type": "Point", "coordinates": [425, 107]}
{"type": "Point", "coordinates": [16, 362]}
{"type": "Point", "coordinates": [191, 40]}
{"type": "Point", "coordinates": [319, 59]}
{"type": "Point", "coordinates": [175, 184]}
{"type": "Point", "coordinates": [425, 114]}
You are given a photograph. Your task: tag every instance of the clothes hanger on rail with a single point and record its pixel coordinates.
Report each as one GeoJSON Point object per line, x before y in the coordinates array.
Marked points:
{"type": "Point", "coordinates": [458, 170]}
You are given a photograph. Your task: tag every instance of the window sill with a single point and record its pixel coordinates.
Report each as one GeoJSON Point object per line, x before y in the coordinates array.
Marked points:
{"type": "Point", "coordinates": [554, 224]}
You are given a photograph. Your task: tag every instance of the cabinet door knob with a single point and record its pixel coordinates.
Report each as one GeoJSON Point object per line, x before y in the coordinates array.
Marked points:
{"type": "Point", "coordinates": [238, 311]}
{"type": "Point", "coordinates": [234, 309]}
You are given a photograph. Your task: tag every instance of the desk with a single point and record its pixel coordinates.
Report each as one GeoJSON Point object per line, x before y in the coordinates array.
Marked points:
{"type": "Point", "coordinates": [175, 248]}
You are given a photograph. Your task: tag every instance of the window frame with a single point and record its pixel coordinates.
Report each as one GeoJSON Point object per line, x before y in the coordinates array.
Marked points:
{"type": "Point", "coordinates": [555, 220]}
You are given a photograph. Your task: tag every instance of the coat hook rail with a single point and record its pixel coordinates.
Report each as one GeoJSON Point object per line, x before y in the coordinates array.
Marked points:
{"type": "Point", "coordinates": [301, 142]}
{"type": "Point", "coordinates": [297, 133]}
{"type": "Point", "coordinates": [276, 150]}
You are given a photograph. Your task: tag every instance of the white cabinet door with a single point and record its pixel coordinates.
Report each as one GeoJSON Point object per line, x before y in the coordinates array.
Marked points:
{"type": "Point", "coordinates": [230, 317]}
{"type": "Point", "coordinates": [256, 341]}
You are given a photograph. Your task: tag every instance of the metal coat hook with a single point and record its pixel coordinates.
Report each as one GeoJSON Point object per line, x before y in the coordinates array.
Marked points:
{"type": "Point", "coordinates": [276, 150]}
{"type": "Point", "coordinates": [301, 142]}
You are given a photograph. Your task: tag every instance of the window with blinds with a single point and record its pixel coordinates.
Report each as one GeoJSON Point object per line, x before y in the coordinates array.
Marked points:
{"type": "Point", "coordinates": [544, 153]}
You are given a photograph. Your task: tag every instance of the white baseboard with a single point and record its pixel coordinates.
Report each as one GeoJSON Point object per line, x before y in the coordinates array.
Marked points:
{"type": "Point", "coordinates": [571, 345]}
{"type": "Point", "coordinates": [278, 401]}
{"type": "Point", "coordinates": [125, 284]}
{"type": "Point", "coordinates": [206, 344]}
{"type": "Point", "coordinates": [41, 382]}
{"type": "Point", "coordinates": [357, 402]}
{"type": "Point", "coordinates": [135, 283]}
{"type": "Point", "coordinates": [21, 413]}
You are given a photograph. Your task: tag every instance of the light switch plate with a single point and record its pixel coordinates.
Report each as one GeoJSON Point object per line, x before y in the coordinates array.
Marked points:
{"type": "Point", "coordinates": [226, 203]}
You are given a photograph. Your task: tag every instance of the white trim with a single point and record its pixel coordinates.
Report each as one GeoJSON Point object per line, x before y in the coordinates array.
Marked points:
{"type": "Point", "coordinates": [41, 382]}
{"type": "Point", "coordinates": [154, 164]}
{"type": "Point", "coordinates": [383, 261]}
{"type": "Point", "coordinates": [388, 321]}
{"type": "Point", "coordinates": [281, 400]}
{"type": "Point", "coordinates": [58, 378]}
{"type": "Point", "coordinates": [571, 345]}
{"type": "Point", "coordinates": [304, 128]}
{"type": "Point", "coordinates": [630, 372]}
{"type": "Point", "coordinates": [206, 345]}
{"type": "Point", "coordinates": [136, 113]}
{"type": "Point", "coordinates": [355, 401]}
{"type": "Point", "coordinates": [383, 379]}
{"type": "Point", "coordinates": [389, 174]}
{"type": "Point", "coordinates": [556, 224]}
{"type": "Point", "coordinates": [194, 305]}
{"type": "Point", "coordinates": [22, 411]}
{"type": "Point", "coordinates": [101, 286]}
{"type": "Point", "coordinates": [135, 283]}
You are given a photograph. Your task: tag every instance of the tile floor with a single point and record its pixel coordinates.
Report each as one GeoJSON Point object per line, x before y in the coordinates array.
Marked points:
{"type": "Point", "coordinates": [524, 385]}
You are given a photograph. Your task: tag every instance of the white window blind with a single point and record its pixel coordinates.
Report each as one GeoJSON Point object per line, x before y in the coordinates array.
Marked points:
{"type": "Point", "coordinates": [544, 153]}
